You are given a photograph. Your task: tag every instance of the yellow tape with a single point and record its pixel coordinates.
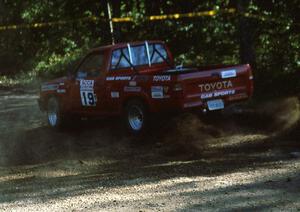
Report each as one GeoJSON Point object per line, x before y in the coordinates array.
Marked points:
{"type": "Point", "coordinates": [176, 15]}
{"type": "Point", "coordinates": [118, 20]}
{"type": "Point", "coordinates": [125, 19]}
{"type": "Point", "coordinates": [46, 24]}
{"type": "Point", "coordinates": [147, 18]}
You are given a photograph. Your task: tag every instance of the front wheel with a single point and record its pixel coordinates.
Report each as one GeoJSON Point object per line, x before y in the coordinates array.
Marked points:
{"type": "Point", "coordinates": [136, 117]}
{"type": "Point", "coordinates": [54, 116]}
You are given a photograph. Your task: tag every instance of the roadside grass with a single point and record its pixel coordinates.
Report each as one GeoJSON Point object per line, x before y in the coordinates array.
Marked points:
{"type": "Point", "coordinates": [23, 80]}
{"type": "Point", "coordinates": [48, 66]}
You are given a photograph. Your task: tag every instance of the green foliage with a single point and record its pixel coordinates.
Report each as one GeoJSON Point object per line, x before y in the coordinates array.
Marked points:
{"type": "Point", "coordinates": [47, 52]}
{"type": "Point", "coordinates": [53, 64]}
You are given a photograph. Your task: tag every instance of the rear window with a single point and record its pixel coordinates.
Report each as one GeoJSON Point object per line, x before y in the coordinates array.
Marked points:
{"type": "Point", "coordinates": [137, 56]}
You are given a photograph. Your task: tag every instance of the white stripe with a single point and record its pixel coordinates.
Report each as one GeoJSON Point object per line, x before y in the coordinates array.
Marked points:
{"type": "Point", "coordinates": [129, 51]}
{"type": "Point", "coordinates": [49, 87]}
{"type": "Point", "coordinates": [148, 53]}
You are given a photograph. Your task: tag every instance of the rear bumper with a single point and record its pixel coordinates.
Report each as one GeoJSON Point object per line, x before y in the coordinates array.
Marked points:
{"type": "Point", "coordinates": [195, 103]}
{"type": "Point", "coordinates": [204, 106]}
{"type": "Point", "coordinates": [228, 96]}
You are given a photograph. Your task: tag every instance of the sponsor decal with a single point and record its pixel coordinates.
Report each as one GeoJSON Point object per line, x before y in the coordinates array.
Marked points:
{"type": "Point", "coordinates": [123, 78]}
{"type": "Point", "coordinates": [157, 92]}
{"type": "Point", "coordinates": [224, 93]}
{"type": "Point", "coordinates": [114, 94]}
{"type": "Point", "coordinates": [118, 78]}
{"type": "Point", "coordinates": [217, 94]}
{"type": "Point", "coordinates": [207, 95]}
{"type": "Point", "coordinates": [161, 78]}
{"type": "Point", "coordinates": [132, 89]}
{"type": "Point", "coordinates": [87, 94]}
{"type": "Point", "coordinates": [61, 90]}
{"type": "Point", "coordinates": [132, 83]}
{"type": "Point", "coordinates": [49, 87]}
{"type": "Point", "coordinates": [110, 78]}
{"type": "Point", "coordinates": [215, 86]}
{"type": "Point", "coordinates": [228, 74]}
{"type": "Point", "coordinates": [86, 84]}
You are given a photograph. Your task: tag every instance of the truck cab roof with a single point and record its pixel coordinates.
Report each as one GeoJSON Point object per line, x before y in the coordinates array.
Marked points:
{"type": "Point", "coordinates": [124, 44]}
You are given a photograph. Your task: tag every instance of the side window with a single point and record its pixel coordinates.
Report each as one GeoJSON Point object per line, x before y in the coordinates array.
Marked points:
{"type": "Point", "coordinates": [91, 66]}
{"type": "Point", "coordinates": [120, 59]}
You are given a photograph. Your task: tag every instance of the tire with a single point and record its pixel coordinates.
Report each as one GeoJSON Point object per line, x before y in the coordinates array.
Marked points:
{"type": "Point", "coordinates": [54, 116]}
{"type": "Point", "coordinates": [136, 117]}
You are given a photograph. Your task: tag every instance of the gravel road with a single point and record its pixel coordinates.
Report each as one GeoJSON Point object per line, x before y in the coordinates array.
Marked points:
{"type": "Point", "coordinates": [238, 161]}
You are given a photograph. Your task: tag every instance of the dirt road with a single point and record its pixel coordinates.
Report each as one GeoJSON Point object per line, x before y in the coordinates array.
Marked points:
{"type": "Point", "coordinates": [241, 161]}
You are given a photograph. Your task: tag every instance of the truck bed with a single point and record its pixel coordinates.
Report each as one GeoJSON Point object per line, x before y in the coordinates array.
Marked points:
{"type": "Point", "coordinates": [214, 84]}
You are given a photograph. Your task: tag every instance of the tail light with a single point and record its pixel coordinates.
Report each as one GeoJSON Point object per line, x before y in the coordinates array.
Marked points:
{"type": "Point", "coordinates": [250, 72]}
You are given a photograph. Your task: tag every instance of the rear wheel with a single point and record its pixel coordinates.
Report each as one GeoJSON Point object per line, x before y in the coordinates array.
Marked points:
{"type": "Point", "coordinates": [136, 117]}
{"type": "Point", "coordinates": [54, 115]}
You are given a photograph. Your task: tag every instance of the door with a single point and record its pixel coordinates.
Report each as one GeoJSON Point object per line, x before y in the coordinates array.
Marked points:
{"type": "Point", "coordinates": [88, 89]}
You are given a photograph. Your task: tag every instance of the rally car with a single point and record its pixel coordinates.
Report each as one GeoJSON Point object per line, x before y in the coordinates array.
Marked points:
{"type": "Point", "coordinates": [137, 79]}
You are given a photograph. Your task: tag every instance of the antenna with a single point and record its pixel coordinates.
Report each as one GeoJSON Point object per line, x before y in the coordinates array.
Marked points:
{"type": "Point", "coordinates": [111, 26]}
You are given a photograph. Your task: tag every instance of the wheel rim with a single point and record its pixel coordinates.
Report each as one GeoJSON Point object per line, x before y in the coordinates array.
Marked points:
{"type": "Point", "coordinates": [135, 118]}
{"type": "Point", "coordinates": [52, 113]}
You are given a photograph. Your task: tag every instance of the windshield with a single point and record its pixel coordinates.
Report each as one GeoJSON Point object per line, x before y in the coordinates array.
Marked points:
{"type": "Point", "coordinates": [144, 54]}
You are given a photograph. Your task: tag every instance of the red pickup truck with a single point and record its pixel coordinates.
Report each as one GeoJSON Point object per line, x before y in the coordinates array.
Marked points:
{"type": "Point", "coordinates": [137, 79]}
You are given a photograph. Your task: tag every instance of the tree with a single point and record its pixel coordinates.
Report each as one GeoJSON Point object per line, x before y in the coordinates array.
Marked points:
{"type": "Point", "coordinates": [246, 34]}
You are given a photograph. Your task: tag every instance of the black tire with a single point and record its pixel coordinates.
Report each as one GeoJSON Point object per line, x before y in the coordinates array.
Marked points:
{"type": "Point", "coordinates": [54, 115]}
{"type": "Point", "coordinates": [136, 117]}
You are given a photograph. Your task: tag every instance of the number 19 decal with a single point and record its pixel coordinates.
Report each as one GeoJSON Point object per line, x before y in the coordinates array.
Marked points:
{"type": "Point", "coordinates": [88, 98]}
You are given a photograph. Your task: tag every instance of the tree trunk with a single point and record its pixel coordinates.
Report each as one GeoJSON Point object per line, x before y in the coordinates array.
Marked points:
{"type": "Point", "coordinates": [152, 8]}
{"type": "Point", "coordinates": [246, 35]}
{"type": "Point", "coordinates": [116, 12]}
{"type": "Point", "coordinates": [107, 39]}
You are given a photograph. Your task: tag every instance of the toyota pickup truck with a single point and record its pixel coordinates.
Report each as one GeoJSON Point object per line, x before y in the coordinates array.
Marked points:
{"type": "Point", "coordinates": [137, 80]}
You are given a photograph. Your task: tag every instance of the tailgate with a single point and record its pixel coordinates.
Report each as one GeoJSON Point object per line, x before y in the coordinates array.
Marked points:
{"type": "Point", "coordinates": [229, 84]}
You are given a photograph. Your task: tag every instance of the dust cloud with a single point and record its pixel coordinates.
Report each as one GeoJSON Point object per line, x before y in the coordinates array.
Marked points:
{"type": "Point", "coordinates": [26, 139]}
{"type": "Point", "coordinates": [282, 114]}
{"type": "Point", "coordinates": [187, 133]}
{"type": "Point", "coordinates": [19, 113]}
{"type": "Point", "coordinates": [193, 134]}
